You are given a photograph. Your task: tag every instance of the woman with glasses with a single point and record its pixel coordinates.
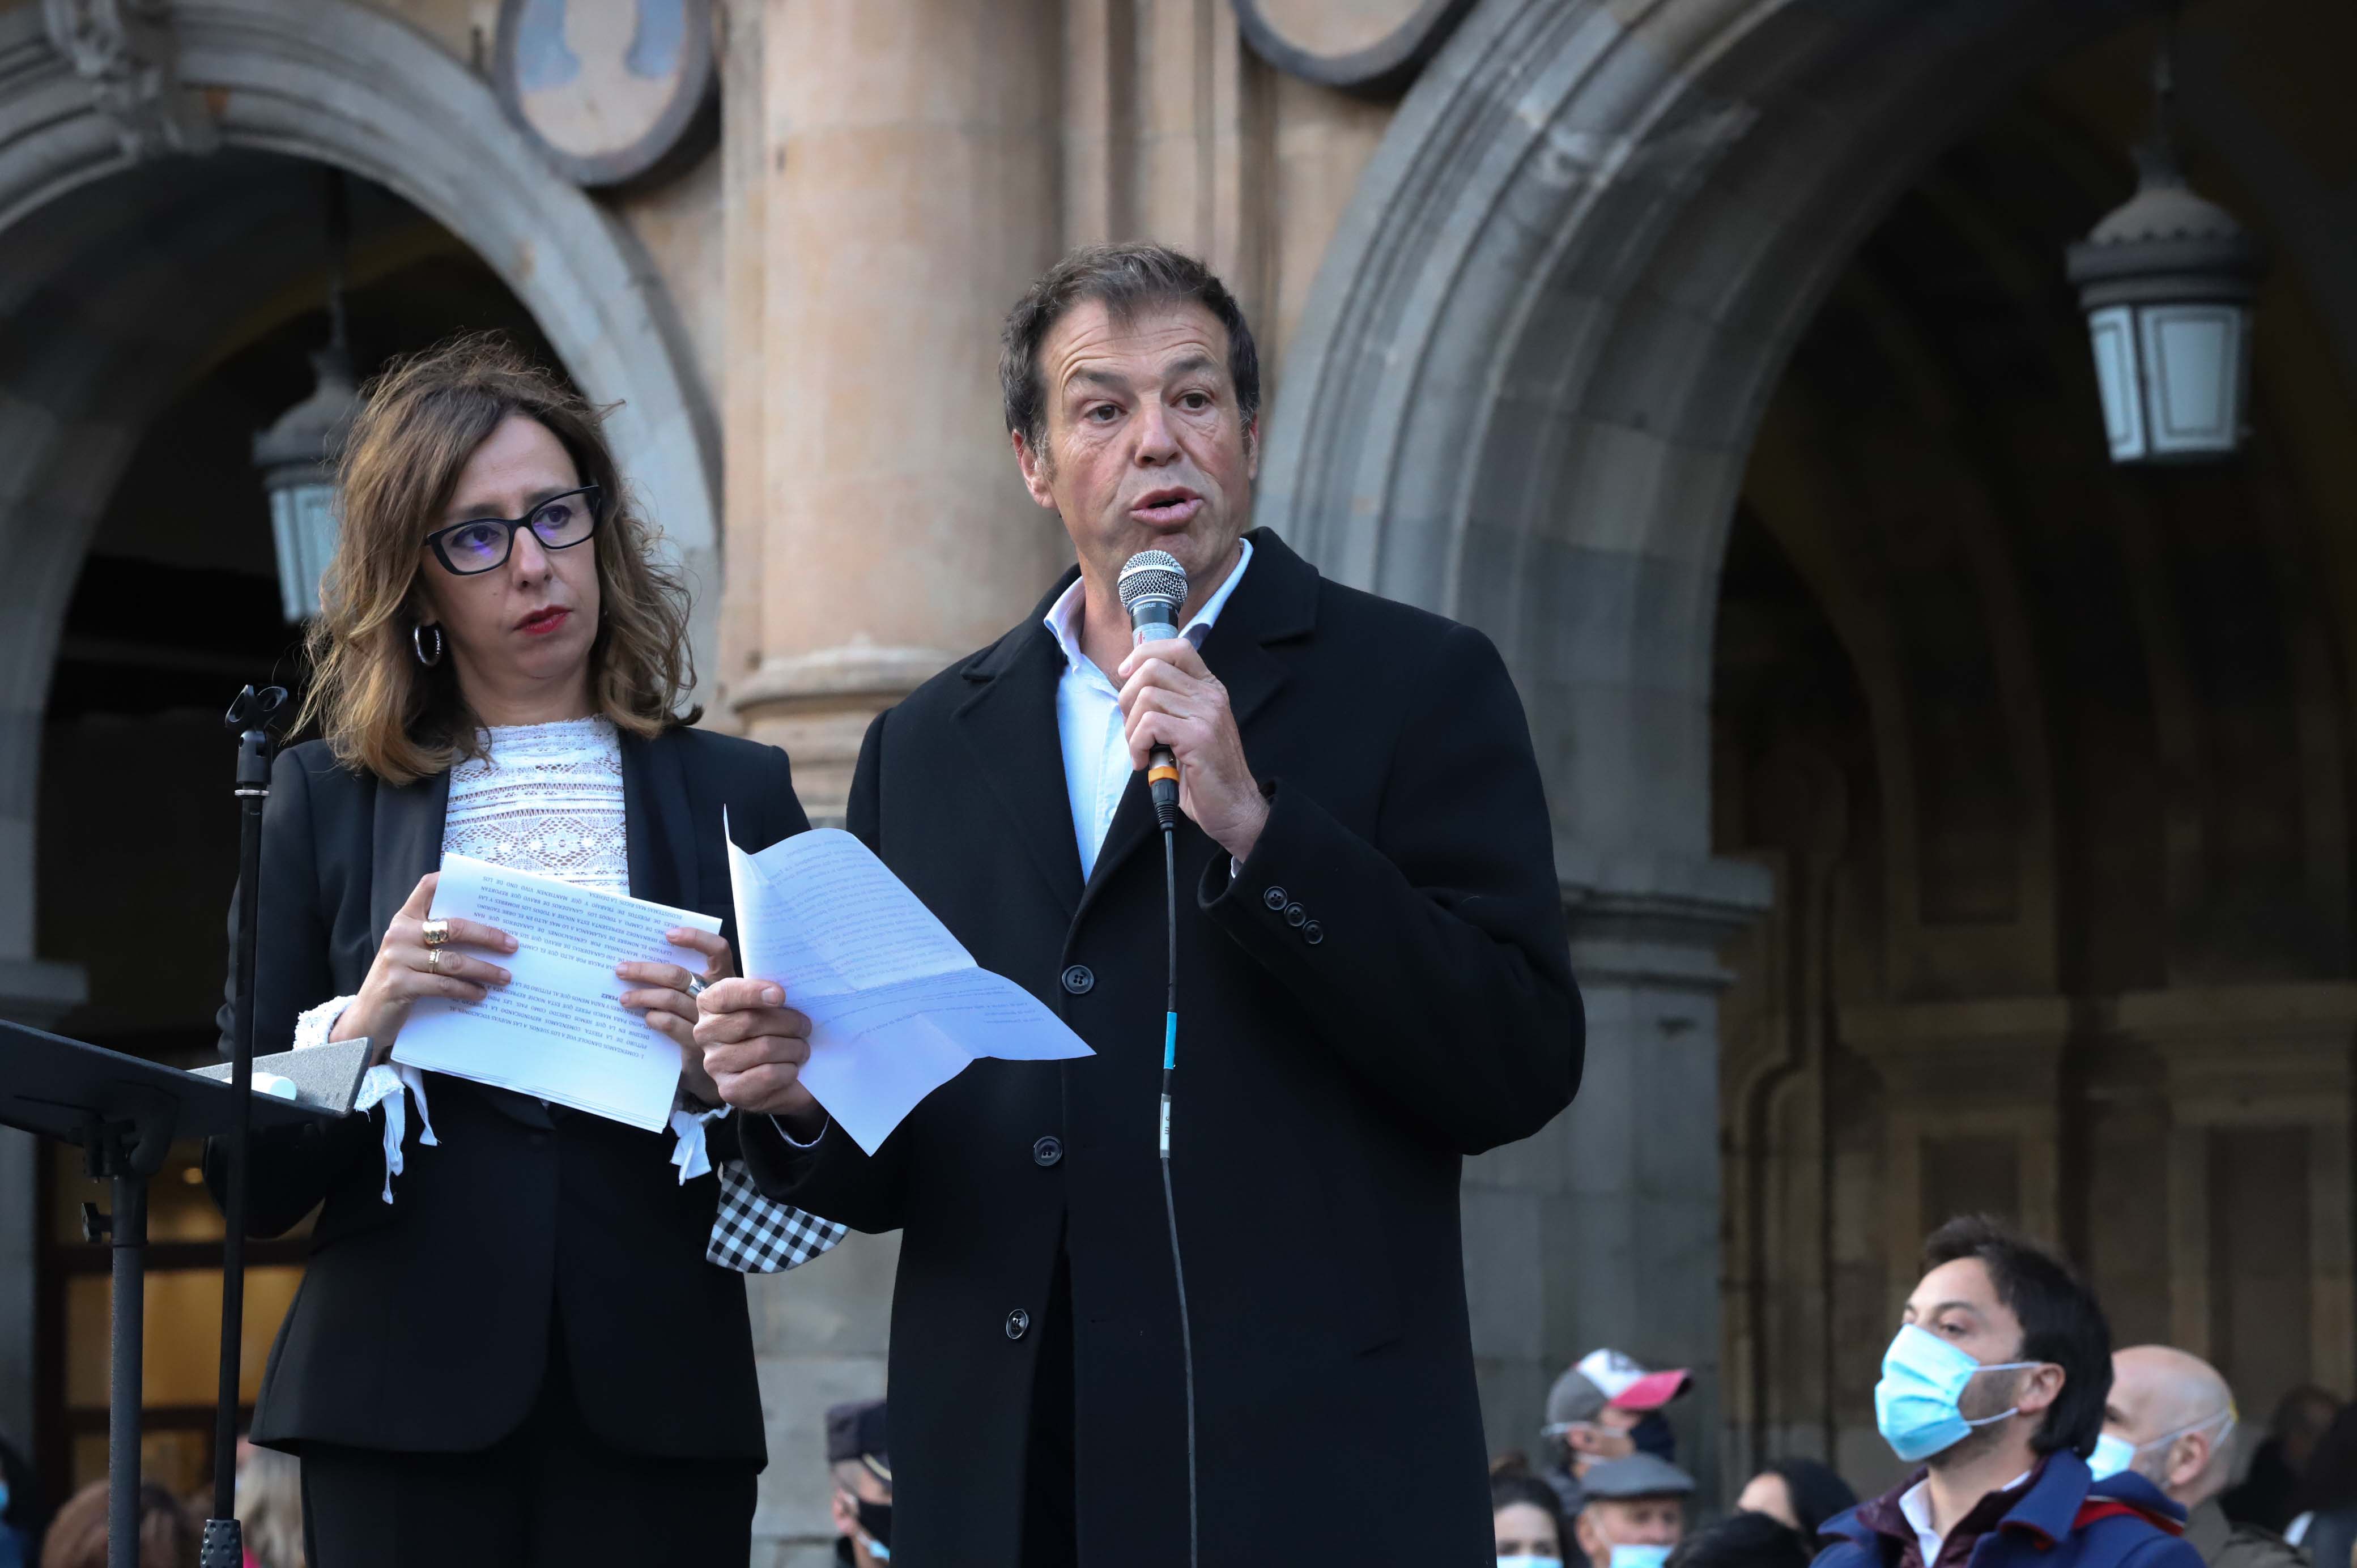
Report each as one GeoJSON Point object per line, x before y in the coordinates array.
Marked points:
{"type": "Point", "coordinates": [521, 1334]}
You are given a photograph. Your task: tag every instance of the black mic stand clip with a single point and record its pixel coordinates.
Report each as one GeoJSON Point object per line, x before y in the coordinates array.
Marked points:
{"type": "Point", "coordinates": [248, 717]}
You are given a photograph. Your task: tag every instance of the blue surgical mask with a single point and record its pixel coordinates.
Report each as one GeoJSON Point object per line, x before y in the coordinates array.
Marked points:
{"type": "Point", "coordinates": [1918, 1402]}
{"type": "Point", "coordinates": [2114, 1454]}
{"type": "Point", "coordinates": [1522, 1561]}
{"type": "Point", "coordinates": [1639, 1556]}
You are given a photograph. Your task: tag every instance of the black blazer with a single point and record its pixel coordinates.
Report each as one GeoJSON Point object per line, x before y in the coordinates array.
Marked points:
{"type": "Point", "coordinates": [425, 1324]}
{"type": "Point", "coordinates": [1384, 989]}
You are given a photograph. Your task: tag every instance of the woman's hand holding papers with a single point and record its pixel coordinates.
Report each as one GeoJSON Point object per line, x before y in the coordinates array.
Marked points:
{"type": "Point", "coordinates": [669, 1007]}
{"type": "Point", "coordinates": [408, 969]}
{"type": "Point", "coordinates": [754, 1047]}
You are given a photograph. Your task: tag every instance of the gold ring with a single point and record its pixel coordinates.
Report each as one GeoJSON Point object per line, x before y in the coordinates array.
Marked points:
{"type": "Point", "coordinates": [433, 961]}
{"type": "Point", "coordinates": [435, 932]}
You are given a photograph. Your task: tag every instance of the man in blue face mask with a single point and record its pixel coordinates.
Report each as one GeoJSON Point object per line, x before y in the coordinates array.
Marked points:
{"type": "Point", "coordinates": [1636, 1512]}
{"type": "Point", "coordinates": [1996, 1384]}
{"type": "Point", "coordinates": [2171, 1420]}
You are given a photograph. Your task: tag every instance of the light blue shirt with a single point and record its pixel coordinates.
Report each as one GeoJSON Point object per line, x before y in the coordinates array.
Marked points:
{"type": "Point", "coordinates": [1088, 714]}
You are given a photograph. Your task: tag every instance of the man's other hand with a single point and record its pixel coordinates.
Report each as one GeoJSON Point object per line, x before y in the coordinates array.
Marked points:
{"type": "Point", "coordinates": [754, 1047]}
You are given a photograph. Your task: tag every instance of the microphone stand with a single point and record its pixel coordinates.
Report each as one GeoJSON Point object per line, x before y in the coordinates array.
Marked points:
{"type": "Point", "coordinates": [248, 717]}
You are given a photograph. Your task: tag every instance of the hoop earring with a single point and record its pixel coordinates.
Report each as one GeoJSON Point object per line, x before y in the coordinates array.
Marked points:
{"type": "Point", "coordinates": [417, 642]}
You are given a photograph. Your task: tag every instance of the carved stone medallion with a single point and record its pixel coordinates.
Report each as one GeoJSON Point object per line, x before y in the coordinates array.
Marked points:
{"type": "Point", "coordinates": [1373, 47]}
{"type": "Point", "coordinates": [614, 90]}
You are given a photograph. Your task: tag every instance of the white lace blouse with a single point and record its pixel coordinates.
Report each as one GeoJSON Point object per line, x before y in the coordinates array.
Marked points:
{"type": "Point", "coordinates": [545, 798]}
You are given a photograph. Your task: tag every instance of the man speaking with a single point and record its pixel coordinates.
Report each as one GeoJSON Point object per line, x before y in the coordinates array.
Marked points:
{"type": "Point", "coordinates": [1373, 982]}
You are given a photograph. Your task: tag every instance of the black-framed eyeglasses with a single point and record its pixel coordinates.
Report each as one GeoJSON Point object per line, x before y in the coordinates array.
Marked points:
{"type": "Point", "coordinates": [484, 544]}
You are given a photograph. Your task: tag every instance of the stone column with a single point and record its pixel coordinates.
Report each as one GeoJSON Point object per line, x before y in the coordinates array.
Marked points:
{"type": "Point", "coordinates": [1604, 1228]}
{"type": "Point", "coordinates": [891, 171]}
{"type": "Point", "coordinates": [909, 158]}
{"type": "Point", "coordinates": [37, 993]}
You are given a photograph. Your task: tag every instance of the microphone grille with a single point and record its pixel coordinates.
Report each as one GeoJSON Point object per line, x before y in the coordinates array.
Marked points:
{"type": "Point", "coordinates": [1153, 574]}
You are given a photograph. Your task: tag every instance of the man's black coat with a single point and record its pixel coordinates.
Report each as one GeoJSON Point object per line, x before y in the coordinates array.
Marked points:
{"type": "Point", "coordinates": [1384, 989]}
{"type": "Point", "coordinates": [424, 1325]}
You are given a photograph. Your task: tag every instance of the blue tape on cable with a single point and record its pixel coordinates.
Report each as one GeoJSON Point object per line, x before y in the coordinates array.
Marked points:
{"type": "Point", "coordinates": [1169, 1041]}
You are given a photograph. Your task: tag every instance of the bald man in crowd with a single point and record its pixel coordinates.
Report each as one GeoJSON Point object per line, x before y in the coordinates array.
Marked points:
{"type": "Point", "coordinates": [2171, 1418]}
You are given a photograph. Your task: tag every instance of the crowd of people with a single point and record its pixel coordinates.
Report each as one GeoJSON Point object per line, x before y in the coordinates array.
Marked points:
{"type": "Point", "coordinates": [171, 1529]}
{"type": "Point", "coordinates": [2002, 1368]}
{"type": "Point", "coordinates": [2032, 1442]}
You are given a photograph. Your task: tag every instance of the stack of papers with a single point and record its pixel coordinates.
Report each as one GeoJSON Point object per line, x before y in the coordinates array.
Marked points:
{"type": "Point", "coordinates": [558, 1031]}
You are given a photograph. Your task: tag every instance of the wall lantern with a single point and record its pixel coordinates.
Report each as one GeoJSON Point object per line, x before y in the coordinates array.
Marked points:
{"type": "Point", "coordinates": [2166, 282]}
{"type": "Point", "coordinates": [297, 454]}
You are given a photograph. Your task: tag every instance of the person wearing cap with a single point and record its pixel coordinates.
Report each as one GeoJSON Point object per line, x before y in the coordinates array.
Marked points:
{"type": "Point", "coordinates": [2170, 1419]}
{"type": "Point", "coordinates": [1636, 1512]}
{"type": "Point", "coordinates": [1994, 1387]}
{"type": "Point", "coordinates": [1607, 1406]}
{"type": "Point", "coordinates": [861, 1464]}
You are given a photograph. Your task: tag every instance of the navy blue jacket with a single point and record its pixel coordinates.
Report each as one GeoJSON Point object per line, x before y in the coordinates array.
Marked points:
{"type": "Point", "coordinates": [2065, 1520]}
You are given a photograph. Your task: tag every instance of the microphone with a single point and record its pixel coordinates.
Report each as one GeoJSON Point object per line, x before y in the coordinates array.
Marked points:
{"type": "Point", "coordinates": [1153, 586]}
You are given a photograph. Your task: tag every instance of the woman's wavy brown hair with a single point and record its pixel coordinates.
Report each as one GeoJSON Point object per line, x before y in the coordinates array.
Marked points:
{"type": "Point", "coordinates": [418, 423]}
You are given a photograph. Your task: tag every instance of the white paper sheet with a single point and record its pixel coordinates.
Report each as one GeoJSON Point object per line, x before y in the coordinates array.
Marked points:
{"type": "Point", "coordinates": [558, 1030]}
{"type": "Point", "coordinates": [897, 1006]}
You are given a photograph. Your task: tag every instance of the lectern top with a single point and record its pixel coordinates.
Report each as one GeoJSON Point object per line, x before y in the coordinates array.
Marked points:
{"type": "Point", "coordinates": [52, 1086]}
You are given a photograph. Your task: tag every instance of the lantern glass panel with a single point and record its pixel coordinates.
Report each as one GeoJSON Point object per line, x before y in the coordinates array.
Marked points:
{"type": "Point", "coordinates": [2193, 370]}
{"type": "Point", "coordinates": [303, 524]}
{"type": "Point", "coordinates": [2113, 331]}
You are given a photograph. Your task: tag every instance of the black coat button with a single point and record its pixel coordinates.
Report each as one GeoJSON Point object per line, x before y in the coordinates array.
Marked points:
{"type": "Point", "coordinates": [1274, 898]}
{"type": "Point", "coordinates": [1047, 1151]}
{"type": "Point", "coordinates": [1079, 981]}
{"type": "Point", "coordinates": [1018, 1323]}
{"type": "Point", "coordinates": [1294, 915]}
{"type": "Point", "coordinates": [1313, 933]}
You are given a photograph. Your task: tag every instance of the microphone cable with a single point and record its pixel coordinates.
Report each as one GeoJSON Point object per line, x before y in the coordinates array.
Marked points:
{"type": "Point", "coordinates": [1165, 812]}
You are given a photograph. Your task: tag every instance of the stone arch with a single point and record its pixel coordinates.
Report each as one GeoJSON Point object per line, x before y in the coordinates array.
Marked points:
{"type": "Point", "coordinates": [1525, 388]}
{"type": "Point", "coordinates": [1523, 393]}
{"type": "Point", "coordinates": [122, 323]}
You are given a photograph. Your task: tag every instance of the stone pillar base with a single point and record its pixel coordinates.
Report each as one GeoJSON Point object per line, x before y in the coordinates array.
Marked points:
{"type": "Point", "coordinates": [818, 706]}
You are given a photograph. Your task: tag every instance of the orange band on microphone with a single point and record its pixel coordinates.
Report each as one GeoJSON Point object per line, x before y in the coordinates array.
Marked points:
{"type": "Point", "coordinates": [1158, 773]}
